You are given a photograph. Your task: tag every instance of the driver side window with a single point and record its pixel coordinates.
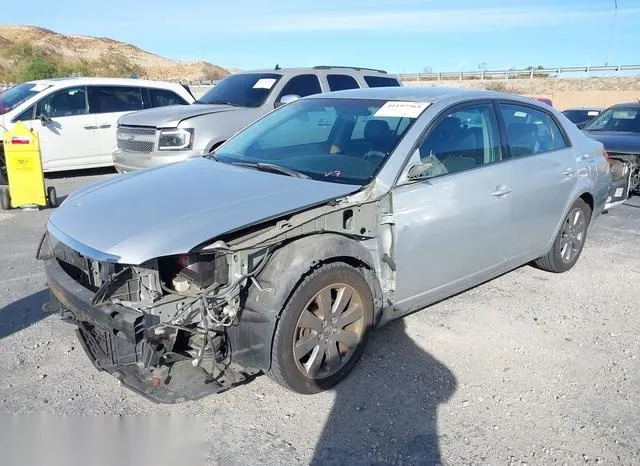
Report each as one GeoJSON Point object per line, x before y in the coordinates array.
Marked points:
{"type": "Point", "coordinates": [66, 102]}
{"type": "Point", "coordinates": [465, 139]}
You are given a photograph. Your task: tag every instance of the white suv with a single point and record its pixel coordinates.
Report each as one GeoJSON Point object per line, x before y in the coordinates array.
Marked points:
{"type": "Point", "coordinates": [76, 118]}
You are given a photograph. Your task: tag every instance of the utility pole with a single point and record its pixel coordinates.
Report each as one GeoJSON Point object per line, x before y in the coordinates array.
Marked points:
{"type": "Point", "coordinates": [613, 25]}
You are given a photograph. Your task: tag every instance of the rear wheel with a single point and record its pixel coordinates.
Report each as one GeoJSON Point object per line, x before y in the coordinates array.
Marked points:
{"type": "Point", "coordinates": [568, 245]}
{"type": "Point", "coordinates": [323, 329]}
{"type": "Point", "coordinates": [52, 197]}
{"type": "Point", "coordinates": [5, 198]}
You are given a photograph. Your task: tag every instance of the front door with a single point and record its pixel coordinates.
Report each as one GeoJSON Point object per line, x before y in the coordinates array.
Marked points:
{"type": "Point", "coordinates": [452, 224]}
{"type": "Point", "coordinates": [68, 133]}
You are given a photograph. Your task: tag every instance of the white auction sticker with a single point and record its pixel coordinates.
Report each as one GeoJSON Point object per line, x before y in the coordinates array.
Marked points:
{"type": "Point", "coordinates": [399, 109]}
{"type": "Point", "coordinates": [264, 83]}
{"type": "Point", "coordinates": [618, 192]}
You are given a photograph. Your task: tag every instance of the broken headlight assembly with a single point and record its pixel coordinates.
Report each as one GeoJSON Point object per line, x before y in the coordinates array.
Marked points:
{"type": "Point", "coordinates": [180, 273]}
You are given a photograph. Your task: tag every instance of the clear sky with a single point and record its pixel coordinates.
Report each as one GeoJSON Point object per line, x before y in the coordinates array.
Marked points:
{"type": "Point", "coordinates": [397, 35]}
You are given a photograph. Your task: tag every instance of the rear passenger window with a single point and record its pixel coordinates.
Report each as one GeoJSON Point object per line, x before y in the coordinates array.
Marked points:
{"type": "Point", "coordinates": [113, 99]}
{"type": "Point", "coordinates": [163, 97]}
{"type": "Point", "coordinates": [530, 131]}
{"type": "Point", "coordinates": [381, 81]}
{"type": "Point", "coordinates": [463, 140]}
{"type": "Point", "coordinates": [340, 82]}
{"type": "Point", "coordinates": [302, 86]}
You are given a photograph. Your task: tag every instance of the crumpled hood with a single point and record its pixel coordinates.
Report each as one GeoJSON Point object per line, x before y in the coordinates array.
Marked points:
{"type": "Point", "coordinates": [170, 116]}
{"type": "Point", "coordinates": [172, 209]}
{"type": "Point", "coordinates": [617, 141]}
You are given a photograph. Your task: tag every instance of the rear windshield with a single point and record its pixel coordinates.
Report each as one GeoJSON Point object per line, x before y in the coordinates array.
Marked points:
{"type": "Point", "coordinates": [241, 90]}
{"type": "Point", "coordinates": [578, 116]}
{"type": "Point", "coordinates": [381, 81]}
{"type": "Point", "coordinates": [16, 95]}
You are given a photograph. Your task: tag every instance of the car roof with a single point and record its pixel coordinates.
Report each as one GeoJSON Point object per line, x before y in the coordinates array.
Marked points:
{"type": "Point", "coordinates": [103, 81]}
{"type": "Point", "coordinates": [631, 105]}
{"type": "Point", "coordinates": [587, 109]}
{"type": "Point", "coordinates": [314, 69]}
{"type": "Point", "coordinates": [416, 94]}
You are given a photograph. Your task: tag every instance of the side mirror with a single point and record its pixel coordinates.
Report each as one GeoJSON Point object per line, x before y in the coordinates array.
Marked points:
{"type": "Point", "coordinates": [417, 170]}
{"type": "Point", "coordinates": [45, 120]}
{"type": "Point", "coordinates": [287, 99]}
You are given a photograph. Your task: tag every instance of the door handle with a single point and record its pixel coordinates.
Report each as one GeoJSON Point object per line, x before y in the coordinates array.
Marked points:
{"type": "Point", "coordinates": [90, 127]}
{"type": "Point", "coordinates": [569, 172]}
{"type": "Point", "coordinates": [501, 191]}
{"type": "Point", "coordinates": [105, 126]}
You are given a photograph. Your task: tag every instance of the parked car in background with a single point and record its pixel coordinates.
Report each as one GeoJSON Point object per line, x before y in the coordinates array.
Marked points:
{"type": "Point", "coordinates": [327, 217]}
{"type": "Point", "coordinates": [618, 129]}
{"type": "Point", "coordinates": [158, 137]}
{"type": "Point", "coordinates": [76, 118]}
{"type": "Point", "coordinates": [581, 116]}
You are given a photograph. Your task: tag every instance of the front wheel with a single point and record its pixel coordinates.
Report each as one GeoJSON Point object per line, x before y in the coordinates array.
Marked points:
{"type": "Point", "coordinates": [568, 245]}
{"type": "Point", "coordinates": [323, 329]}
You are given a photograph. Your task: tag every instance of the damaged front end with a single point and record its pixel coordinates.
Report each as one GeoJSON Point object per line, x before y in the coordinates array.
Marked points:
{"type": "Point", "coordinates": [159, 327]}
{"type": "Point", "coordinates": [185, 326]}
{"type": "Point", "coordinates": [625, 174]}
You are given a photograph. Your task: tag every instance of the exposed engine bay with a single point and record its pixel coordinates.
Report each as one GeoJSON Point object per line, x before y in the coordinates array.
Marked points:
{"type": "Point", "coordinates": [186, 326]}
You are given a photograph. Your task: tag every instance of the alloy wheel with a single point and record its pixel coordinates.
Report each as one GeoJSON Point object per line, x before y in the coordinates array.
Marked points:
{"type": "Point", "coordinates": [573, 234]}
{"type": "Point", "coordinates": [328, 331]}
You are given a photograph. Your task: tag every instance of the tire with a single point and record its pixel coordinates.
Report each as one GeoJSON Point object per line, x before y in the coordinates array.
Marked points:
{"type": "Point", "coordinates": [52, 197]}
{"type": "Point", "coordinates": [570, 240]}
{"type": "Point", "coordinates": [328, 359]}
{"type": "Point", "coordinates": [5, 199]}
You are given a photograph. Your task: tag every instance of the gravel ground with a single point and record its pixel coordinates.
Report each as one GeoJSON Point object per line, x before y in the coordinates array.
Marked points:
{"type": "Point", "coordinates": [530, 368]}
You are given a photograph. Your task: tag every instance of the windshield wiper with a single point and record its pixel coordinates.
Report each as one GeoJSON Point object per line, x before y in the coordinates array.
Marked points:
{"type": "Point", "coordinates": [270, 167]}
{"type": "Point", "coordinates": [218, 102]}
{"type": "Point", "coordinates": [264, 167]}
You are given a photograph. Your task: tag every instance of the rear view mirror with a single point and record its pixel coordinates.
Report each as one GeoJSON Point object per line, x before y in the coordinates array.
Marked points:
{"type": "Point", "coordinates": [45, 120]}
{"type": "Point", "coordinates": [286, 99]}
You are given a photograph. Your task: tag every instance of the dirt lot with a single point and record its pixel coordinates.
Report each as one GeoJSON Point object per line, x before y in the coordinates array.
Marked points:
{"type": "Point", "coordinates": [530, 368]}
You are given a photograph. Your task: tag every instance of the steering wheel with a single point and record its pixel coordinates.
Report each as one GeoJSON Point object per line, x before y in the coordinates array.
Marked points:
{"type": "Point", "coordinates": [374, 153]}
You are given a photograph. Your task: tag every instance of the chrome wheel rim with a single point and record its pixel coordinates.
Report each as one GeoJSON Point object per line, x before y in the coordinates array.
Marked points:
{"type": "Point", "coordinates": [573, 234]}
{"type": "Point", "coordinates": [328, 331]}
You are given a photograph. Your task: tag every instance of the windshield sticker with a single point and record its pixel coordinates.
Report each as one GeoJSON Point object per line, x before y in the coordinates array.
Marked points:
{"type": "Point", "coordinates": [264, 83]}
{"type": "Point", "coordinates": [401, 109]}
{"type": "Point", "coordinates": [592, 113]}
{"type": "Point", "coordinates": [39, 87]}
{"type": "Point", "coordinates": [520, 114]}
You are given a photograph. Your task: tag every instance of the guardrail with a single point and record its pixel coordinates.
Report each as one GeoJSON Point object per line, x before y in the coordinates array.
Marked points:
{"type": "Point", "coordinates": [530, 73]}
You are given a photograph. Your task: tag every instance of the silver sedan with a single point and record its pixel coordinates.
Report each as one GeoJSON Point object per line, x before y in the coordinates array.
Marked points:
{"type": "Point", "coordinates": [326, 218]}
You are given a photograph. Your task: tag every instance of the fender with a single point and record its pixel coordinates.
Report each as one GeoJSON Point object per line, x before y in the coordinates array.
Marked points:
{"type": "Point", "coordinates": [251, 342]}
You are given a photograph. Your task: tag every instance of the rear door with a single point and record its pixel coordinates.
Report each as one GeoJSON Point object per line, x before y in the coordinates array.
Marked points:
{"type": "Point", "coordinates": [544, 175]}
{"type": "Point", "coordinates": [107, 104]}
{"type": "Point", "coordinates": [68, 134]}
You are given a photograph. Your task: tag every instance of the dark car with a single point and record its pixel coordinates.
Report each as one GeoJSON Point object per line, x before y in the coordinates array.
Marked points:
{"type": "Point", "coordinates": [618, 129]}
{"type": "Point", "coordinates": [581, 116]}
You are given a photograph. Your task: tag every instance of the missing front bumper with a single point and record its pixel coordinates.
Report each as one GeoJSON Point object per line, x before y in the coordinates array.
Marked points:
{"type": "Point", "coordinates": [116, 339]}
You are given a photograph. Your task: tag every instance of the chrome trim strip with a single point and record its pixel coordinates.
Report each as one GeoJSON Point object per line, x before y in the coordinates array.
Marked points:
{"type": "Point", "coordinates": [80, 247]}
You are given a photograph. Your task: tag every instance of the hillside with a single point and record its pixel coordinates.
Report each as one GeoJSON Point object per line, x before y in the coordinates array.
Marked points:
{"type": "Point", "coordinates": [92, 56]}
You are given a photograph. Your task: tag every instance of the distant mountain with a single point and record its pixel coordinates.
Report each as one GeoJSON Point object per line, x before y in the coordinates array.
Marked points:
{"type": "Point", "coordinates": [94, 56]}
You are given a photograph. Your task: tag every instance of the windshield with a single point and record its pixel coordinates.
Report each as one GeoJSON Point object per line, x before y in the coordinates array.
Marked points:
{"type": "Point", "coordinates": [334, 140]}
{"type": "Point", "coordinates": [242, 90]}
{"type": "Point", "coordinates": [14, 96]}
{"type": "Point", "coordinates": [626, 119]}
{"type": "Point", "coordinates": [578, 116]}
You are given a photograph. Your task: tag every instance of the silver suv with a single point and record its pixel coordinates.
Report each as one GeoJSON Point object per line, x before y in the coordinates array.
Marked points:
{"type": "Point", "coordinates": [161, 136]}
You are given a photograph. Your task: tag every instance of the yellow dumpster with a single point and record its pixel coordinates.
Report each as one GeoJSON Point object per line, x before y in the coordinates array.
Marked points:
{"type": "Point", "coordinates": [24, 171]}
